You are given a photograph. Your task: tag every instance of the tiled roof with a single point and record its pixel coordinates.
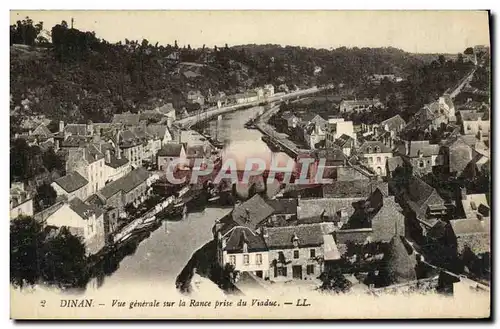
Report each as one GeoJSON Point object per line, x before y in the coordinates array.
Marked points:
{"type": "Point", "coordinates": [252, 212]}
{"type": "Point", "coordinates": [283, 237]}
{"type": "Point", "coordinates": [283, 206]}
{"type": "Point", "coordinates": [170, 150]}
{"type": "Point", "coordinates": [71, 182]}
{"type": "Point", "coordinates": [239, 235]}
{"type": "Point", "coordinates": [369, 147]}
{"type": "Point", "coordinates": [126, 183]}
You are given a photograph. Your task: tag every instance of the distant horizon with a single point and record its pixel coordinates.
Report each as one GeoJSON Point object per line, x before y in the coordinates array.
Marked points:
{"type": "Point", "coordinates": [419, 32]}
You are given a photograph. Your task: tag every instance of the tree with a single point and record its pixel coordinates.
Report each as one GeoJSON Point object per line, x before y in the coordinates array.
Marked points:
{"type": "Point", "coordinates": [64, 260]}
{"type": "Point", "coordinates": [24, 32]}
{"type": "Point", "coordinates": [441, 60]}
{"type": "Point", "coordinates": [25, 246]}
{"type": "Point", "coordinates": [45, 197]}
{"type": "Point", "coordinates": [469, 51]}
{"type": "Point", "coordinates": [400, 264]}
{"type": "Point", "coordinates": [334, 280]}
{"type": "Point", "coordinates": [52, 161]}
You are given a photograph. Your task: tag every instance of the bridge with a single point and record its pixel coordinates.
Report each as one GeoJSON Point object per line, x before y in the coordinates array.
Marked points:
{"type": "Point", "coordinates": [188, 122]}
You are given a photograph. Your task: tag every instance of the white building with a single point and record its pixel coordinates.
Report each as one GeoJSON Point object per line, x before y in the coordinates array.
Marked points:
{"type": "Point", "coordinates": [21, 202]}
{"type": "Point", "coordinates": [337, 128]}
{"type": "Point", "coordinates": [374, 154]}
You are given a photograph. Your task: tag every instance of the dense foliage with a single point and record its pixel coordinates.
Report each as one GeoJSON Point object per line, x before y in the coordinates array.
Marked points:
{"type": "Point", "coordinates": [38, 255]}
{"type": "Point", "coordinates": [82, 77]}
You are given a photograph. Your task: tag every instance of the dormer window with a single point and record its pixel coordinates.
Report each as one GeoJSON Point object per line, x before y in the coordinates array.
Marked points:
{"type": "Point", "coordinates": [295, 241]}
{"type": "Point", "coordinates": [369, 149]}
{"type": "Point", "coordinates": [377, 149]}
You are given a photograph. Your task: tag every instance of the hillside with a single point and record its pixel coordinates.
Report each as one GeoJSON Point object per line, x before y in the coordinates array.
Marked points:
{"type": "Point", "coordinates": [80, 77]}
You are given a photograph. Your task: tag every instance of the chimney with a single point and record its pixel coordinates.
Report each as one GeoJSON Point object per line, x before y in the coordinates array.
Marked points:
{"type": "Point", "coordinates": [30, 132]}
{"type": "Point", "coordinates": [108, 156]}
{"type": "Point", "coordinates": [407, 147]}
{"type": "Point", "coordinates": [117, 147]}
{"type": "Point", "coordinates": [463, 193]}
{"type": "Point", "coordinates": [61, 126]}
{"type": "Point", "coordinates": [90, 128]}
{"type": "Point", "coordinates": [56, 147]}
{"type": "Point", "coordinates": [265, 233]}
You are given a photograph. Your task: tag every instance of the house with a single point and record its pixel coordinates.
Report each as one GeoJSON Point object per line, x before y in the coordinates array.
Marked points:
{"type": "Point", "coordinates": [424, 204]}
{"type": "Point", "coordinates": [247, 97]}
{"type": "Point", "coordinates": [457, 155]}
{"type": "Point", "coordinates": [474, 205]}
{"type": "Point", "coordinates": [348, 106]}
{"type": "Point", "coordinates": [334, 211]}
{"type": "Point", "coordinates": [474, 123]}
{"type": "Point", "coordinates": [131, 146]}
{"type": "Point", "coordinates": [473, 234]}
{"type": "Point", "coordinates": [346, 143]}
{"type": "Point", "coordinates": [42, 132]}
{"type": "Point", "coordinates": [285, 212]}
{"type": "Point", "coordinates": [116, 166]}
{"type": "Point", "coordinates": [436, 114]}
{"type": "Point", "coordinates": [244, 249]}
{"type": "Point", "coordinates": [290, 120]}
{"type": "Point", "coordinates": [393, 125]}
{"type": "Point", "coordinates": [268, 90]}
{"type": "Point", "coordinates": [376, 219]}
{"type": "Point", "coordinates": [21, 201]}
{"type": "Point", "coordinates": [326, 161]}
{"type": "Point", "coordinates": [80, 218]}
{"type": "Point", "coordinates": [168, 153]}
{"type": "Point", "coordinates": [421, 155]}
{"type": "Point", "coordinates": [129, 189]}
{"type": "Point", "coordinates": [160, 131]}
{"type": "Point", "coordinates": [195, 96]}
{"type": "Point", "coordinates": [337, 128]}
{"type": "Point", "coordinates": [397, 163]}
{"type": "Point", "coordinates": [72, 185]}
{"type": "Point", "coordinates": [374, 154]}
{"type": "Point", "coordinates": [89, 163]}
{"type": "Point", "coordinates": [295, 252]}
{"type": "Point", "coordinates": [76, 129]}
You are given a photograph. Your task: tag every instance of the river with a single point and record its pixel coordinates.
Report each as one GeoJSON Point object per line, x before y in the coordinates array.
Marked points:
{"type": "Point", "coordinates": [163, 255]}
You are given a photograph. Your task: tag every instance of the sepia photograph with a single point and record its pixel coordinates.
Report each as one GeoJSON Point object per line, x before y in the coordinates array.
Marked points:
{"type": "Point", "coordinates": [250, 164]}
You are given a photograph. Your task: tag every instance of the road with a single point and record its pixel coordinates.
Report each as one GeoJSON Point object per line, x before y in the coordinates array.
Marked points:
{"type": "Point", "coordinates": [214, 111]}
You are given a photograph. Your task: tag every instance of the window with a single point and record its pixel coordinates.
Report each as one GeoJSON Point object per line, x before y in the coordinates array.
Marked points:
{"type": "Point", "coordinates": [245, 248]}
{"type": "Point", "coordinates": [310, 269]}
{"type": "Point", "coordinates": [468, 127]}
{"type": "Point", "coordinates": [369, 150]}
{"type": "Point", "coordinates": [232, 260]}
{"type": "Point", "coordinates": [312, 252]}
{"type": "Point", "coordinates": [258, 259]}
{"type": "Point", "coordinates": [370, 160]}
{"type": "Point", "coordinates": [377, 149]}
{"type": "Point", "coordinates": [473, 205]}
{"type": "Point", "coordinates": [295, 254]}
{"type": "Point", "coordinates": [246, 259]}
{"type": "Point", "coordinates": [421, 164]}
{"type": "Point", "coordinates": [379, 160]}
{"type": "Point", "coordinates": [479, 127]}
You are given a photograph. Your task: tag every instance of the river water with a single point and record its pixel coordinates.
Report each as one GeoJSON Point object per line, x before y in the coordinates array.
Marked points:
{"type": "Point", "coordinates": [161, 257]}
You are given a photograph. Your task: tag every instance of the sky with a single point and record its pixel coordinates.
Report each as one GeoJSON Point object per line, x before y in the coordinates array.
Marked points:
{"type": "Point", "coordinates": [412, 31]}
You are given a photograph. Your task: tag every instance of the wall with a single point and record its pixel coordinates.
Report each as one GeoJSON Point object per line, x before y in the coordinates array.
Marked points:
{"type": "Point", "coordinates": [96, 175]}
{"type": "Point", "coordinates": [427, 162]}
{"type": "Point", "coordinates": [25, 208]}
{"type": "Point", "coordinates": [252, 264]}
{"type": "Point", "coordinates": [303, 260]}
{"type": "Point", "coordinates": [371, 159]}
{"type": "Point", "coordinates": [474, 127]}
{"type": "Point", "coordinates": [136, 193]}
{"type": "Point", "coordinates": [81, 193]}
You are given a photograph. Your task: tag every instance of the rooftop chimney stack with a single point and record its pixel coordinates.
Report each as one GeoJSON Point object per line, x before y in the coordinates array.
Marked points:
{"type": "Point", "coordinates": [108, 156]}
{"type": "Point", "coordinates": [61, 126]}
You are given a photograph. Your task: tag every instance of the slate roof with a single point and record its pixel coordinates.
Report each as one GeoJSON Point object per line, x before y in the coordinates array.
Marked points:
{"type": "Point", "coordinates": [393, 163]}
{"type": "Point", "coordinates": [470, 226]}
{"type": "Point", "coordinates": [170, 150]}
{"type": "Point", "coordinates": [344, 141]}
{"type": "Point", "coordinates": [74, 141]}
{"type": "Point", "coordinates": [157, 130]}
{"type": "Point", "coordinates": [252, 212]}
{"type": "Point", "coordinates": [82, 209]}
{"type": "Point", "coordinates": [282, 237]}
{"type": "Point", "coordinates": [71, 182]}
{"type": "Point", "coordinates": [115, 162]}
{"type": "Point", "coordinates": [424, 147]}
{"type": "Point", "coordinates": [473, 115]}
{"type": "Point", "coordinates": [370, 147]}
{"type": "Point", "coordinates": [332, 155]}
{"type": "Point", "coordinates": [42, 130]}
{"type": "Point", "coordinates": [126, 183]}
{"type": "Point", "coordinates": [239, 235]}
{"type": "Point", "coordinates": [473, 233]}
{"type": "Point", "coordinates": [283, 206]}
{"type": "Point", "coordinates": [288, 115]}
{"type": "Point", "coordinates": [421, 195]}
{"type": "Point", "coordinates": [327, 207]}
